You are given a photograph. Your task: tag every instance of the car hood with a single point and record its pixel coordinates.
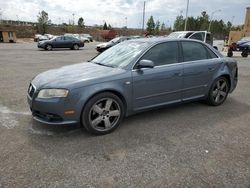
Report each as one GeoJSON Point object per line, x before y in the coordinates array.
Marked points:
{"type": "Point", "coordinates": [74, 76]}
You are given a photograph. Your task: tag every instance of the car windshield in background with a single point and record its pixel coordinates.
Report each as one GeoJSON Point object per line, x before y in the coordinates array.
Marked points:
{"type": "Point", "coordinates": [245, 39]}
{"type": "Point", "coordinates": [176, 35]}
{"type": "Point", "coordinates": [121, 55]}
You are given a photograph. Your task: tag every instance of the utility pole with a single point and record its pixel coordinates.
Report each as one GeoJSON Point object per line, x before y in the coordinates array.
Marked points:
{"type": "Point", "coordinates": [73, 18]}
{"type": "Point", "coordinates": [143, 16]}
{"type": "Point", "coordinates": [185, 28]}
{"type": "Point", "coordinates": [209, 27]}
{"type": "Point", "coordinates": [126, 22]}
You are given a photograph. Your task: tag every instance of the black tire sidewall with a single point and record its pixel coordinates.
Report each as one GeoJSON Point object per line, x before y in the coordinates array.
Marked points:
{"type": "Point", "coordinates": [85, 113]}
{"type": "Point", "coordinates": [210, 99]}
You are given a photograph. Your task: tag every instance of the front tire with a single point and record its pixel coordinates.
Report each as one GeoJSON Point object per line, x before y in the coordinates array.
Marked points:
{"type": "Point", "coordinates": [76, 47]}
{"type": "Point", "coordinates": [48, 47]}
{"type": "Point", "coordinates": [103, 113]}
{"type": "Point", "coordinates": [218, 92]}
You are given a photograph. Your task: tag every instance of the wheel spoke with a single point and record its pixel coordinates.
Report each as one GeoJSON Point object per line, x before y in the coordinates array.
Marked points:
{"type": "Point", "coordinates": [217, 97]}
{"type": "Point", "coordinates": [96, 121]}
{"type": "Point", "coordinates": [223, 85]}
{"type": "Point", "coordinates": [97, 109]}
{"type": "Point", "coordinates": [108, 104]}
{"type": "Point", "coordinates": [218, 85]}
{"type": "Point", "coordinates": [222, 93]}
{"type": "Point", "coordinates": [107, 123]}
{"type": "Point", "coordinates": [114, 113]}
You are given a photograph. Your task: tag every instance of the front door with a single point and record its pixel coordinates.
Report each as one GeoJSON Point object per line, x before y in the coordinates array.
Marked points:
{"type": "Point", "coordinates": [162, 84]}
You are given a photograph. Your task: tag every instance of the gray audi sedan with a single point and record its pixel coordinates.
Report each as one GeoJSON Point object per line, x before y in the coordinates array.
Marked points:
{"type": "Point", "coordinates": [131, 77]}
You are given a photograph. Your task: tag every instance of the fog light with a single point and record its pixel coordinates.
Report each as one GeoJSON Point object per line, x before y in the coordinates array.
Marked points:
{"type": "Point", "coordinates": [69, 112]}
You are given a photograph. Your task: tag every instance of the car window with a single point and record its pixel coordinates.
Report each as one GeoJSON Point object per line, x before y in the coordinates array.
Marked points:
{"type": "Point", "coordinates": [208, 38]}
{"type": "Point", "coordinates": [198, 36]}
{"type": "Point", "coordinates": [59, 38]}
{"type": "Point", "coordinates": [162, 54]}
{"type": "Point", "coordinates": [211, 53]}
{"type": "Point", "coordinates": [193, 51]}
{"type": "Point", "coordinates": [69, 38]}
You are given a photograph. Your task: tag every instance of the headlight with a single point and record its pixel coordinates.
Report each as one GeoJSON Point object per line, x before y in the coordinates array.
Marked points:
{"type": "Point", "coordinates": [52, 93]}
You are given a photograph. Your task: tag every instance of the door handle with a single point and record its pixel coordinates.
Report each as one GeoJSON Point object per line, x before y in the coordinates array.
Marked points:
{"type": "Point", "coordinates": [178, 74]}
{"type": "Point", "coordinates": [211, 69]}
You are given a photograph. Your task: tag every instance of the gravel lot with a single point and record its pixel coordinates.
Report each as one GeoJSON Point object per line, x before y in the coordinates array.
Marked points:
{"type": "Point", "coordinates": [192, 145]}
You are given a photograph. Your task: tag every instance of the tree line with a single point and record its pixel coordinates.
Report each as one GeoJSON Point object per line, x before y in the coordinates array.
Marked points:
{"type": "Point", "coordinates": [219, 28]}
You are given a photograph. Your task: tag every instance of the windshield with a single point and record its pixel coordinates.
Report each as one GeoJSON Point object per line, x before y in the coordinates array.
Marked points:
{"type": "Point", "coordinates": [114, 40]}
{"type": "Point", "coordinates": [121, 55]}
{"type": "Point", "coordinates": [176, 35]}
{"type": "Point", "coordinates": [245, 39]}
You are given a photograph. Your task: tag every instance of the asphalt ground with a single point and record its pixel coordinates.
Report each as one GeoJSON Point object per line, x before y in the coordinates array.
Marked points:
{"type": "Point", "coordinates": [190, 145]}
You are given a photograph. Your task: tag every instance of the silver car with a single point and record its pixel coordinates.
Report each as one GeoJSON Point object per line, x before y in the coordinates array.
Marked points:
{"type": "Point", "coordinates": [131, 77]}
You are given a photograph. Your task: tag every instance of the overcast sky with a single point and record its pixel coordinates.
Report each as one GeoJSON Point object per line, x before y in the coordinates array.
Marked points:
{"type": "Point", "coordinates": [115, 11]}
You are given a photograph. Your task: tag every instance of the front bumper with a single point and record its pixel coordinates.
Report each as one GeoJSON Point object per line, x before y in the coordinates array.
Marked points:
{"type": "Point", "coordinates": [52, 111]}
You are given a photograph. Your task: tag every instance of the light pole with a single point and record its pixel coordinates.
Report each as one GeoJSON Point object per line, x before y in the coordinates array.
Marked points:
{"type": "Point", "coordinates": [209, 27]}
{"type": "Point", "coordinates": [185, 27]}
{"type": "Point", "coordinates": [143, 16]}
{"type": "Point", "coordinates": [73, 18]}
{"type": "Point", "coordinates": [126, 22]}
{"type": "Point", "coordinates": [1, 16]}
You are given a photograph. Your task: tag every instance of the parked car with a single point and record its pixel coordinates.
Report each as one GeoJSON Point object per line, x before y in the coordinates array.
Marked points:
{"type": "Point", "coordinates": [45, 37]}
{"type": "Point", "coordinates": [87, 36]}
{"type": "Point", "coordinates": [81, 38]}
{"type": "Point", "coordinates": [203, 36]}
{"type": "Point", "coordinates": [243, 45]}
{"type": "Point", "coordinates": [106, 45]}
{"type": "Point", "coordinates": [131, 77]}
{"type": "Point", "coordinates": [61, 42]}
{"type": "Point", "coordinates": [36, 38]}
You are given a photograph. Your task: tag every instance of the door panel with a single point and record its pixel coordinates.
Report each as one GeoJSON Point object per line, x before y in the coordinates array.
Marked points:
{"type": "Point", "coordinates": [156, 86]}
{"type": "Point", "coordinates": [197, 77]}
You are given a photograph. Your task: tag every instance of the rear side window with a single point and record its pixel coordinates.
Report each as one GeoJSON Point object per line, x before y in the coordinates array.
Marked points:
{"type": "Point", "coordinates": [163, 54]}
{"type": "Point", "coordinates": [211, 53]}
{"type": "Point", "coordinates": [193, 51]}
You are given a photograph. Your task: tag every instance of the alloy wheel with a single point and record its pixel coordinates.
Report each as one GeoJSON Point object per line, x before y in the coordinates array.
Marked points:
{"type": "Point", "coordinates": [220, 91]}
{"type": "Point", "coordinates": [104, 114]}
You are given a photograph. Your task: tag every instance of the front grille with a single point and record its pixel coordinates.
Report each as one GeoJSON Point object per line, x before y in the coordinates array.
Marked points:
{"type": "Point", "coordinates": [31, 90]}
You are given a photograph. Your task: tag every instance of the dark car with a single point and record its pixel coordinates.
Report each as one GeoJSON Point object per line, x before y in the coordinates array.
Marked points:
{"type": "Point", "coordinates": [106, 45]}
{"type": "Point", "coordinates": [131, 77]}
{"type": "Point", "coordinates": [243, 46]}
{"type": "Point", "coordinates": [61, 42]}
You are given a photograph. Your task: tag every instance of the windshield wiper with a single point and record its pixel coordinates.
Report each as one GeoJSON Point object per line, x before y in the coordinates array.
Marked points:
{"type": "Point", "coordinates": [106, 65]}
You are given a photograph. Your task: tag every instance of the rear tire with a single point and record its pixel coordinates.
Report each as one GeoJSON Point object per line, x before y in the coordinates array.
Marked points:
{"type": "Point", "coordinates": [103, 113]}
{"type": "Point", "coordinates": [218, 92]}
{"type": "Point", "coordinates": [244, 53]}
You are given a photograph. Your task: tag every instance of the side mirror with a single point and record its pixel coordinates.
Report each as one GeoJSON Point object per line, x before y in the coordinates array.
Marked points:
{"type": "Point", "coordinates": [144, 63]}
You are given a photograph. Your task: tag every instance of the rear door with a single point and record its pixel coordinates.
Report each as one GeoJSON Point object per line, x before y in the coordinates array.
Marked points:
{"type": "Point", "coordinates": [200, 64]}
{"type": "Point", "coordinates": [161, 84]}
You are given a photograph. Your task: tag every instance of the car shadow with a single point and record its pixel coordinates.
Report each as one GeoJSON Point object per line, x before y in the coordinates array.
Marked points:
{"type": "Point", "coordinates": [148, 119]}
{"type": "Point", "coordinates": [163, 127]}
{"type": "Point", "coordinates": [60, 49]}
